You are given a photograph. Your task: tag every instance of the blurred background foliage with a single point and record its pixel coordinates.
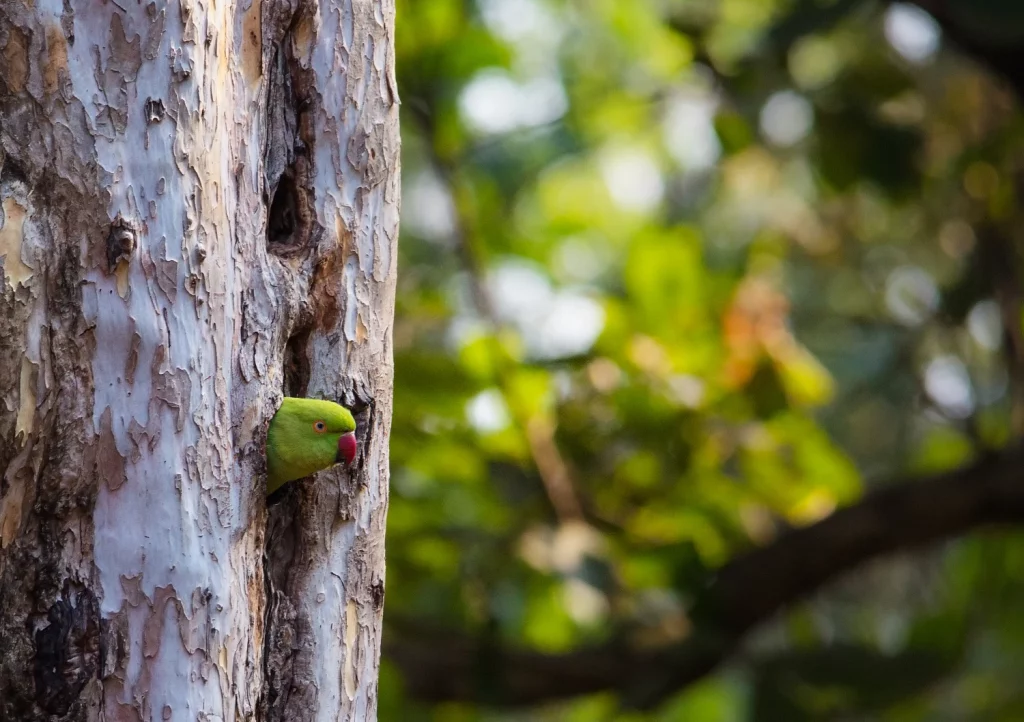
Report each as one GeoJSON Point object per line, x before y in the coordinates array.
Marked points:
{"type": "Point", "coordinates": [677, 276]}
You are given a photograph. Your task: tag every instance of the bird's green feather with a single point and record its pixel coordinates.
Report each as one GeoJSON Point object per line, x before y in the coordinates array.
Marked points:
{"type": "Point", "coordinates": [295, 448]}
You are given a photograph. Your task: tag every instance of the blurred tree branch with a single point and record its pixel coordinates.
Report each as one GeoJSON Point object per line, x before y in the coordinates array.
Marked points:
{"type": "Point", "coordinates": [1000, 264]}
{"type": "Point", "coordinates": [742, 594]}
{"type": "Point", "coordinates": [551, 466]}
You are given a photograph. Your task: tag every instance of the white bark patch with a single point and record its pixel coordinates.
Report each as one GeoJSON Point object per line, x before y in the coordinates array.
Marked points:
{"type": "Point", "coordinates": [169, 513]}
{"type": "Point", "coordinates": [352, 307]}
{"type": "Point", "coordinates": [16, 272]}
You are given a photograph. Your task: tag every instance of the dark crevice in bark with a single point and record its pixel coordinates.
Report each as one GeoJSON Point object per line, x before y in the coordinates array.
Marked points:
{"type": "Point", "coordinates": [67, 652]}
{"type": "Point", "coordinates": [283, 217]}
{"type": "Point", "coordinates": [293, 234]}
{"type": "Point", "coordinates": [11, 171]}
{"type": "Point", "coordinates": [280, 643]}
{"type": "Point", "coordinates": [296, 365]}
{"type": "Point", "coordinates": [291, 221]}
{"type": "Point", "coordinates": [360, 402]}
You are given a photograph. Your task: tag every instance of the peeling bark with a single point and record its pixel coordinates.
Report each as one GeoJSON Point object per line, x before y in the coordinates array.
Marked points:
{"type": "Point", "coordinates": [199, 213]}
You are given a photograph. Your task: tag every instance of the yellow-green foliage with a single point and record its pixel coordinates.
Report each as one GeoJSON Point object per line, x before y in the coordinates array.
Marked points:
{"type": "Point", "coordinates": [713, 266]}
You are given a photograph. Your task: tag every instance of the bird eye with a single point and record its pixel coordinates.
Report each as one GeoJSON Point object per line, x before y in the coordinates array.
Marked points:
{"type": "Point", "coordinates": [319, 427]}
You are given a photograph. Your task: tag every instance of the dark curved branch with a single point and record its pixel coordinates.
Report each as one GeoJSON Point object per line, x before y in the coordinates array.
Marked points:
{"type": "Point", "coordinates": [744, 593]}
{"type": "Point", "coordinates": [1005, 60]}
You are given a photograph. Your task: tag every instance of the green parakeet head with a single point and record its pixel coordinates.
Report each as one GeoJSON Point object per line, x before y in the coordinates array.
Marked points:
{"type": "Point", "coordinates": [305, 436]}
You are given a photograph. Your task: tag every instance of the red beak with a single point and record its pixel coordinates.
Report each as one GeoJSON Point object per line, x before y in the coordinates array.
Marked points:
{"type": "Point", "coordinates": [346, 448]}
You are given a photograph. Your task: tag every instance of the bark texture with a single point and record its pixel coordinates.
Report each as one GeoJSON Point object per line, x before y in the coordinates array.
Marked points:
{"type": "Point", "coordinates": [199, 213]}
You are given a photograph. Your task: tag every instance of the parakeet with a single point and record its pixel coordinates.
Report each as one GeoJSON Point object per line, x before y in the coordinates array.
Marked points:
{"type": "Point", "coordinates": [305, 436]}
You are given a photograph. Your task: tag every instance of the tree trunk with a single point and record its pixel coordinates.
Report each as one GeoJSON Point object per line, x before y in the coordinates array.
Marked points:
{"type": "Point", "coordinates": [199, 214]}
